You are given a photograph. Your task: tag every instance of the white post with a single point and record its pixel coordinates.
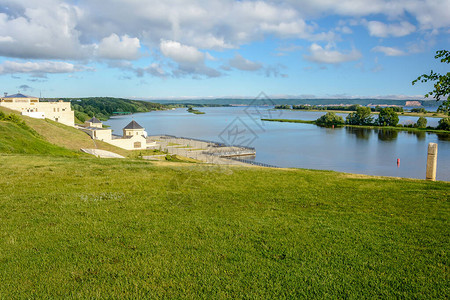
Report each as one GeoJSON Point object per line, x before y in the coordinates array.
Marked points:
{"type": "Point", "coordinates": [432, 161]}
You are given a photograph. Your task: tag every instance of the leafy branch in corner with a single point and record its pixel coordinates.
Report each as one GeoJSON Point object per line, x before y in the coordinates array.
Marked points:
{"type": "Point", "coordinates": [441, 82]}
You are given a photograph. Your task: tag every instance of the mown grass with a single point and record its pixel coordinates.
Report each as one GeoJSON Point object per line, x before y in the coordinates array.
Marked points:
{"type": "Point", "coordinates": [103, 228]}
{"type": "Point", "coordinates": [16, 139]}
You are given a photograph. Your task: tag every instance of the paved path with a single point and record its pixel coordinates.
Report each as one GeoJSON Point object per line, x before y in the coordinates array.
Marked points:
{"type": "Point", "coordinates": [102, 153]}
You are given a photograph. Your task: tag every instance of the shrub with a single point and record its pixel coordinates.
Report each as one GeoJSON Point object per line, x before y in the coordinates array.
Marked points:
{"type": "Point", "coordinates": [330, 119]}
{"type": "Point", "coordinates": [421, 122]}
{"type": "Point", "coordinates": [360, 117]}
{"type": "Point", "coordinates": [444, 124]}
{"type": "Point", "coordinates": [419, 110]}
{"type": "Point", "coordinates": [387, 117]}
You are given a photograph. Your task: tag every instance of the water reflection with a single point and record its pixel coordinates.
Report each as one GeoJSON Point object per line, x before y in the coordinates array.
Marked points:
{"type": "Point", "coordinates": [420, 135]}
{"type": "Point", "coordinates": [360, 133]}
{"type": "Point", "coordinates": [387, 135]}
{"type": "Point", "coordinates": [443, 137]}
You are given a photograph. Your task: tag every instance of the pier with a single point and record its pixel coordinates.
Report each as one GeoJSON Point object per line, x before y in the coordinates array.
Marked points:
{"type": "Point", "coordinates": [204, 150]}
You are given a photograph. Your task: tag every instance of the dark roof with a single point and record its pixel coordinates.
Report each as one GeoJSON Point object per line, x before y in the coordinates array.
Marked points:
{"type": "Point", "coordinates": [18, 96]}
{"type": "Point", "coordinates": [133, 125]}
{"type": "Point", "coordinates": [94, 120]}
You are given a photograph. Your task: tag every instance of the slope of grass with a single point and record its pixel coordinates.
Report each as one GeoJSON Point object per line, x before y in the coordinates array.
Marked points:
{"type": "Point", "coordinates": [91, 228]}
{"type": "Point", "coordinates": [16, 139]}
{"type": "Point", "coordinates": [65, 136]}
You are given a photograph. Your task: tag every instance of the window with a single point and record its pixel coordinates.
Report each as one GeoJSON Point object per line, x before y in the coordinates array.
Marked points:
{"type": "Point", "coordinates": [137, 144]}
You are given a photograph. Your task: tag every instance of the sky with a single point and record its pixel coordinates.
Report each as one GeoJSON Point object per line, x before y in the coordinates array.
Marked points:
{"type": "Point", "coordinates": [221, 48]}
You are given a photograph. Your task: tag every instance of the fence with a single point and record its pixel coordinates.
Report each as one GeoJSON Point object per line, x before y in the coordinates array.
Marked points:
{"type": "Point", "coordinates": [213, 143]}
{"type": "Point", "coordinates": [251, 162]}
{"type": "Point", "coordinates": [207, 151]}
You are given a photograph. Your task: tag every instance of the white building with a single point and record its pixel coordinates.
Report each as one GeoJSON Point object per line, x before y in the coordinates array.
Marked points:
{"type": "Point", "coordinates": [134, 135]}
{"type": "Point", "coordinates": [58, 111]}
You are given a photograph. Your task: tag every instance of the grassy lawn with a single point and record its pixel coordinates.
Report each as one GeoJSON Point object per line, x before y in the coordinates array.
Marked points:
{"type": "Point", "coordinates": [84, 227]}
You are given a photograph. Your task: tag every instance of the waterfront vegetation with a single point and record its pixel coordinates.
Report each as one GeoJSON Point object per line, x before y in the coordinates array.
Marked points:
{"type": "Point", "coordinates": [195, 111]}
{"type": "Point", "coordinates": [387, 119]}
{"type": "Point", "coordinates": [394, 128]}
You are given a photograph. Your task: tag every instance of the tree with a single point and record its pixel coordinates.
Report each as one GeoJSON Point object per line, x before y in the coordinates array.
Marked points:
{"type": "Point", "coordinates": [441, 82]}
{"type": "Point", "coordinates": [444, 124]}
{"type": "Point", "coordinates": [360, 117]}
{"type": "Point", "coordinates": [387, 117]}
{"type": "Point", "coordinates": [330, 119]}
{"type": "Point", "coordinates": [421, 122]}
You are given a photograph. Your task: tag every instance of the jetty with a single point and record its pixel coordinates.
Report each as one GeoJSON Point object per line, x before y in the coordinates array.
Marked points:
{"type": "Point", "coordinates": [204, 150]}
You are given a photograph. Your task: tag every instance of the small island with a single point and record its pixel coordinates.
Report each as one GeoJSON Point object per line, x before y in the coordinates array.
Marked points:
{"type": "Point", "coordinates": [195, 111]}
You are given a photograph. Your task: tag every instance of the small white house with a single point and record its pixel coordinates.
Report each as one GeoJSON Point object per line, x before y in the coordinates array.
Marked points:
{"type": "Point", "coordinates": [134, 135]}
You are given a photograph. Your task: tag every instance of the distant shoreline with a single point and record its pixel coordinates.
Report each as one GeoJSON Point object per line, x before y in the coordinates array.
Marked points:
{"type": "Point", "coordinates": [363, 126]}
{"type": "Point", "coordinates": [404, 113]}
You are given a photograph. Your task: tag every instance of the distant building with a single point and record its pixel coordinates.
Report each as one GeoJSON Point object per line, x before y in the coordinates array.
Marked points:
{"type": "Point", "coordinates": [134, 135]}
{"type": "Point", "coordinates": [59, 111]}
{"type": "Point", "coordinates": [94, 122]}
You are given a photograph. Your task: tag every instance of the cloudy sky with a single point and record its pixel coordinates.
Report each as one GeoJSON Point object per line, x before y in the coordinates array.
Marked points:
{"type": "Point", "coordinates": [214, 48]}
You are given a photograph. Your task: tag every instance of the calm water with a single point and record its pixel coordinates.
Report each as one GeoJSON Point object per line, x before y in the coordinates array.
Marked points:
{"type": "Point", "coordinates": [361, 151]}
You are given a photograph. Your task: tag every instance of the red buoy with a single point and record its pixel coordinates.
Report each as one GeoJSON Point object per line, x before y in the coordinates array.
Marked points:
{"type": "Point", "coordinates": [398, 162]}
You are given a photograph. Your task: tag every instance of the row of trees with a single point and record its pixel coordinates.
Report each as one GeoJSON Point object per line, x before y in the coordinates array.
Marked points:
{"type": "Point", "coordinates": [104, 107]}
{"type": "Point", "coordinates": [362, 116]}
{"type": "Point", "coordinates": [334, 107]}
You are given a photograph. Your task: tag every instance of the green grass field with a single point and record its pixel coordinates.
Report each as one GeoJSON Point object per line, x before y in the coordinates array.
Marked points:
{"type": "Point", "coordinates": [85, 227]}
{"type": "Point", "coordinates": [76, 226]}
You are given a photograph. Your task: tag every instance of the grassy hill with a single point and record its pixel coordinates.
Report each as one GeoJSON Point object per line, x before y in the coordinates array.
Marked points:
{"type": "Point", "coordinates": [65, 136]}
{"type": "Point", "coordinates": [15, 139]}
{"type": "Point", "coordinates": [83, 227]}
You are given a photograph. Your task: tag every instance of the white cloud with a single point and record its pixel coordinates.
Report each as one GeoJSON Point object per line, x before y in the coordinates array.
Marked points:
{"type": "Point", "coordinates": [380, 29]}
{"type": "Point", "coordinates": [389, 51]}
{"type": "Point", "coordinates": [42, 29]}
{"type": "Point", "coordinates": [430, 14]}
{"type": "Point", "coordinates": [6, 39]}
{"type": "Point", "coordinates": [190, 60]}
{"type": "Point", "coordinates": [115, 47]}
{"type": "Point", "coordinates": [181, 53]}
{"type": "Point", "coordinates": [42, 67]}
{"type": "Point", "coordinates": [328, 56]}
{"type": "Point", "coordinates": [243, 64]}
{"type": "Point", "coordinates": [297, 28]}
{"type": "Point", "coordinates": [184, 30]}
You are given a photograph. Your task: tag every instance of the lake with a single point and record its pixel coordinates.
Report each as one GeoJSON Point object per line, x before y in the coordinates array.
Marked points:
{"type": "Point", "coordinates": [351, 150]}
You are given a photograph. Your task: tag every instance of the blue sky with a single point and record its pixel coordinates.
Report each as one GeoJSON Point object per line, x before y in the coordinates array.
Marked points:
{"type": "Point", "coordinates": [195, 49]}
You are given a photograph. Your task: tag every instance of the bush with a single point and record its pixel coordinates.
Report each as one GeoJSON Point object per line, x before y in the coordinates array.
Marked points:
{"type": "Point", "coordinates": [444, 124]}
{"type": "Point", "coordinates": [17, 120]}
{"type": "Point", "coordinates": [330, 119]}
{"type": "Point", "coordinates": [419, 110]}
{"type": "Point", "coordinates": [421, 122]}
{"type": "Point", "coordinates": [360, 117]}
{"type": "Point", "coordinates": [387, 117]}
